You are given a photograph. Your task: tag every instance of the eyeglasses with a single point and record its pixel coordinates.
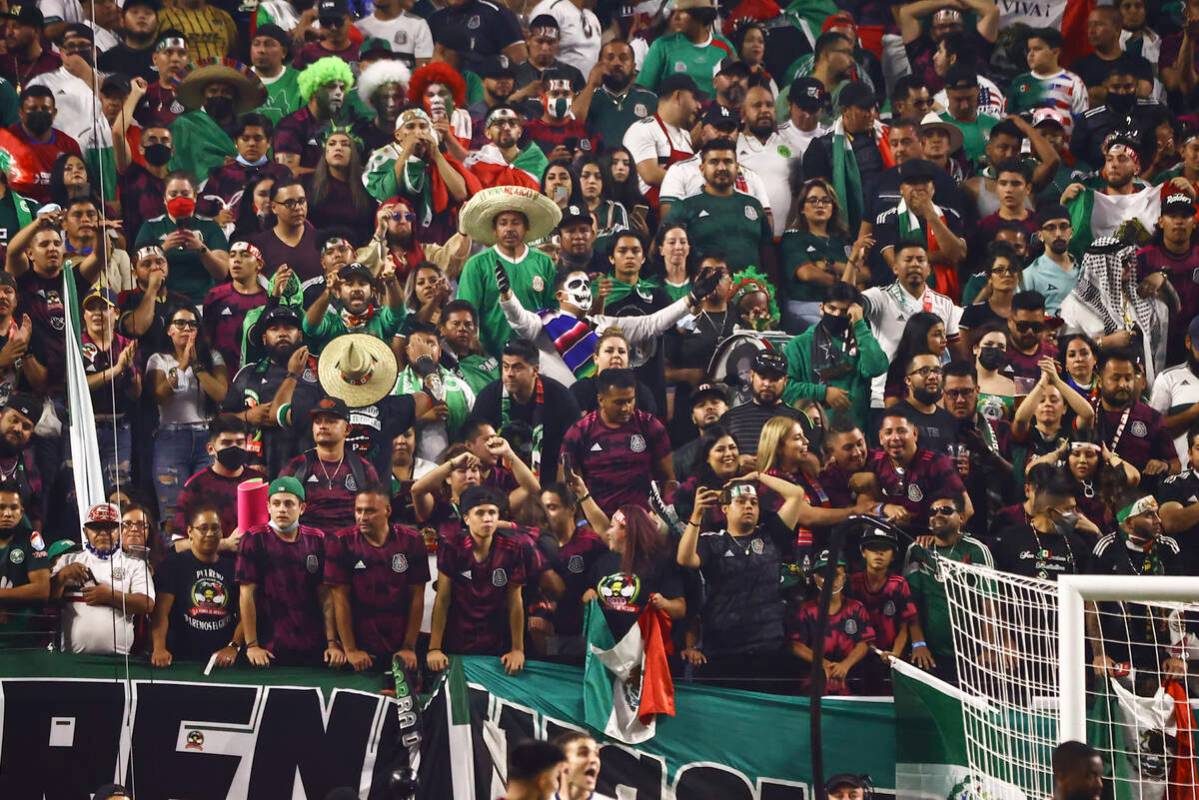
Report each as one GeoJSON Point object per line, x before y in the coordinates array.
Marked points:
{"type": "Point", "coordinates": [1002, 271]}
{"type": "Point", "coordinates": [1030, 327]}
{"type": "Point", "coordinates": [207, 528]}
{"type": "Point", "coordinates": [924, 372]}
{"type": "Point", "coordinates": [136, 526]}
{"type": "Point", "coordinates": [407, 216]}
{"type": "Point", "coordinates": [819, 201]}
{"type": "Point", "coordinates": [962, 393]}
{"type": "Point", "coordinates": [294, 203]}
{"type": "Point", "coordinates": [185, 324]}
{"type": "Point", "coordinates": [942, 511]}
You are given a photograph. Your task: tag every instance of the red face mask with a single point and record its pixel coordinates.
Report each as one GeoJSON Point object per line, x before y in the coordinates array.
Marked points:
{"type": "Point", "coordinates": [181, 207]}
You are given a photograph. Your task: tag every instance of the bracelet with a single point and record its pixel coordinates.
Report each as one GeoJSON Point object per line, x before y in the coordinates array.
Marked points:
{"type": "Point", "coordinates": [235, 646]}
{"type": "Point", "coordinates": [251, 644]}
{"type": "Point", "coordinates": [584, 498]}
{"type": "Point", "coordinates": [691, 523]}
{"type": "Point", "coordinates": [920, 643]}
{"type": "Point", "coordinates": [295, 376]}
{"type": "Point", "coordinates": [333, 643]}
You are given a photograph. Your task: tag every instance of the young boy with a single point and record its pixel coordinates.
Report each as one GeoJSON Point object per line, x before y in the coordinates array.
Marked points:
{"type": "Point", "coordinates": [847, 639]}
{"type": "Point", "coordinates": [888, 602]}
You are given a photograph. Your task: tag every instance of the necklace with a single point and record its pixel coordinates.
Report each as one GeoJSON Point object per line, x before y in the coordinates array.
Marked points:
{"type": "Point", "coordinates": [328, 477]}
{"type": "Point", "coordinates": [716, 329]}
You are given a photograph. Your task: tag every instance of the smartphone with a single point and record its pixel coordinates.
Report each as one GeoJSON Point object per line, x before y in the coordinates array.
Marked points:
{"type": "Point", "coordinates": [571, 143]}
{"type": "Point", "coordinates": [641, 210]}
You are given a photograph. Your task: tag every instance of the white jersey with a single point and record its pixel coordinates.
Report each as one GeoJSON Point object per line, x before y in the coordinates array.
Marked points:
{"type": "Point", "coordinates": [79, 112]}
{"type": "Point", "coordinates": [650, 138]}
{"type": "Point", "coordinates": [771, 161]}
{"type": "Point", "coordinates": [101, 629]}
{"type": "Point", "coordinates": [799, 140]}
{"type": "Point", "coordinates": [1175, 390]}
{"type": "Point", "coordinates": [408, 34]}
{"type": "Point", "coordinates": [580, 33]}
{"type": "Point", "coordinates": [684, 180]}
{"type": "Point", "coordinates": [888, 309]}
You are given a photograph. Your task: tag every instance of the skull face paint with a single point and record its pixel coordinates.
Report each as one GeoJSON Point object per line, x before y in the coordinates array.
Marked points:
{"type": "Point", "coordinates": [330, 98]}
{"type": "Point", "coordinates": [578, 290]}
{"type": "Point", "coordinates": [388, 99]}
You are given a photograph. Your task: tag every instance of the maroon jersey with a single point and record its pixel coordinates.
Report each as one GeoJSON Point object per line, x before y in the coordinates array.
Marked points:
{"type": "Point", "coordinates": [835, 482]}
{"type": "Point", "coordinates": [381, 580]}
{"type": "Point", "coordinates": [208, 488]}
{"type": "Point", "coordinates": [41, 298]}
{"type": "Point", "coordinates": [548, 135]}
{"type": "Point", "coordinates": [298, 133]}
{"type": "Point", "coordinates": [20, 73]}
{"type": "Point", "coordinates": [330, 487]}
{"type": "Point", "coordinates": [617, 463]}
{"type": "Point", "coordinates": [930, 474]}
{"type": "Point", "coordinates": [477, 622]}
{"type": "Point", "coordinates": [1025, 365]}
{"type": "Point", "coordinates": [225, 310]}
{"type": "Point", "coordinates": [287, 574]}
{"type": "Point", "coordinates": [574, 559]}
{"type": "Point", "coordinates": [888, 608]}
{"type": "Point", "coordinates": [846, 629]}
{"type": "Point", "coordinates": [1182, 271]}
{"type": "Point", "coordinates": [1137, 437]}
{"type": "Point", "coordinates": [141, 199]}
{"type": "Point", "coordinates": [158, 108]}
{"type": "Point", "coordinates": [106, 401]}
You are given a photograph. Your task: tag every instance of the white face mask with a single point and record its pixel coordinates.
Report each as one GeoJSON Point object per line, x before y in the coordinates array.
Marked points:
{"type": "Point", "coordinates": [578, 291]}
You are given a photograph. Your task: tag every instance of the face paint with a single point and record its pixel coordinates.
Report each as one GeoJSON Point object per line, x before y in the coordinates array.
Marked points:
{"type": "Point", "coordinates": [388, 99]}
{"type": "Point", "coordinates": [330, 98]}
{"type": "Point", "coordinates": [578, 290]}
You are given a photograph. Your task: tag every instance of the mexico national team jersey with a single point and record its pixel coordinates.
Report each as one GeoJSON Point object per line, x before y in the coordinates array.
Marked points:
{"type": "Point", "coordinates": [930, 474]}
{"type": "Point", "coordinates": [846, 629]}
{"type": "Point", "coordinates": [24, 553]}
{"type": "Point", "coordinates": [290, 621]}
{"type": "Point", "coordinates": [889, 607]}
{"type": "Point", "coordinates": [477, 622]}
{"type": "Point", "coordinates": [617, 463]}
{"type": "Point", "coordinates": [381, 580]}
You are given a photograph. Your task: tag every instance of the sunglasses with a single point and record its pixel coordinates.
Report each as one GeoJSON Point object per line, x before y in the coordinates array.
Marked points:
{"type": "Point", "coordinates": [942, 511]}
{"type": "Point", "coordinates": [1030, 327]}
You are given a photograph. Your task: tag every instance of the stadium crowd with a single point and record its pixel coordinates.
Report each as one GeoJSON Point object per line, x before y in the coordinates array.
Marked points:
{"type": "Point", "coordinates": [516, 307]}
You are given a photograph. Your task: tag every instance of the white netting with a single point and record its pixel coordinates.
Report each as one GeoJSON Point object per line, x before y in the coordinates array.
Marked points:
{"type": "Point", "coordinates": [1005, 632]}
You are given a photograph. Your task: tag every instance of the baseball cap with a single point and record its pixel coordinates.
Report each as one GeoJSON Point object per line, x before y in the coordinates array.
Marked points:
{"type": "Point", "coordinates": [154, 5]}
{"type": "Point", "coordinates": [769, 361]}
{"type": "Point", "coordinates": [279, 315]}
{"type": "Point", "coordinates": [81, 30]}
{"type": "Point", "coordinates": [332, 8]}
{"type": "Point", "coordinates": [116, 84]}
{"type": "Point", "coordinates": [857, 94]}
{"type": "Point", "coordinates": [918, 170]}
{"type": "Point", "coordinates": [706, 390]}
{"type": "Point", "coordinates": [720, 117]}
{"type": "Point", "coordinates": [821, 562]}
{"type": "Point", "coordinates": [877, 537]}
{"type": "Point", "coordinates": [679, 82]}
{"type": "Point", "coordinates": [103, 514]}
{"type": "Point", "coordinates": [331, 405]}
{"type": "Point", "coordinates": [544, 25]}
{"type": "Point", "coordinates": [733, 66]}
{"type": "Point", "coordinates": [287, 485]}
{"type": "Point", "coordinates": [26, 405]}
{"type": "Point", "coordinates": [354, 270]}
{"type": "Point", "coordinates": [374, 46]}
{"type": "Point", "coordinates": [101, 292]}
{"type": "Point", "coordinates": [497, 66]}
{"type": "Point", "coordinates": [808, 93]}
{"type": "Point", "coordinates": [842, 779]}
{"type": "Point", "coordinates": [1050, 116]}
{"type": "Point", "coordinates": [1178, 203]}
{"type": "Point", "coordinates": [574, 215]}
{"type": "Point", "coordinates": [26, 14]}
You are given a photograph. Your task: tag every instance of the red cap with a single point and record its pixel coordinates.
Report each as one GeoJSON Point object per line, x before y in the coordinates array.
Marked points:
{"type": "Point", "coordinates": [838, 19]}
{"type": "Point", "coordinates": [103, 514]}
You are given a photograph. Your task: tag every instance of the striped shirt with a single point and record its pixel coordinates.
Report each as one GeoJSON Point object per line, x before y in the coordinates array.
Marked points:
{"type": "Point", "coordinates": [210, 31]}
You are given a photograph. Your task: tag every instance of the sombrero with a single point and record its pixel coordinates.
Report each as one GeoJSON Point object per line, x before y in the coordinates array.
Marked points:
{"type": "Point", "coordinates": [933, 121]}
{"type": "Point", "coordinates": [357, 368]}
{"type": "Point", "coordinates": [246, 85]}
{"type": "Point", "coordinates": [481, 210]}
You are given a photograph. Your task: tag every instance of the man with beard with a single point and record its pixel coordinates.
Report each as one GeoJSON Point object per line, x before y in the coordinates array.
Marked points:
{"type": "Point", "coordinates": [709, 402]}
{"type": "Point", "coordinates": [921, 406]}
{"type": "Point", "coordinates": [731, 83]}
{"type": "Point", "coordinates": [103, 590]}
{"type": "Point", "coordinates": [16, 457]}
{"type": "Point", "coordinates": [216, 485]}
{"type": "Point", "coordinates": [1026, 328]}
{"type": "Point", "coordinates": [358, 309]}
{"type": "Point", "coordinates": [24, 56]}
{"type": "Point", "coordinates": [1131, 429]}
{"type": "Point", "coordinates": [980, 445]}
{"type": "Point", "coordinates": [383, 86]}
{"type": "Point", "coordinates": [37, 144]}
{"type": "Point", "coordinates": [1077, 772]}
{"type": "Point", "coordinates": [909, 475]}
{"type": "Point", "coordinates": [615, 101]}
{"type": "Point", "coordinates": [499, 81]}
{"type": "Point", "coordinates": [767, 149]}
{"type": "Point", "coordinates": [323, 89]}
{"type": "Point", "coordinates": [1174, 259]}
{"type": "Point", "coordinates": [767, 379]}
{"type": "Point", "coordinates": [461, 351]}
{"type": "Point", "coordinates": [213, 96]}
{"type": "Point", "coordinates": [395, 241]}
{"type": "Point", "coordinates": [664, 138]}
{"type": "Point", "coordinates": [1053, 273]}
{"type": "Point", "coordinates": [579, 776]}
{"type": "Point", "coordinates": [1175, 394]}
{"type": "Point", "coordinates": [268, 52]}
{"type": "Point", "coordinates": [24, 569]}
{"type": "Point", "coordinates": [424, 372]}
{"type": "Point", "coordinates": [502, 162]}
{"type": "Point", "coordinates": [256, 384]}
{"type": "Point", "coordinates": [721, 219]}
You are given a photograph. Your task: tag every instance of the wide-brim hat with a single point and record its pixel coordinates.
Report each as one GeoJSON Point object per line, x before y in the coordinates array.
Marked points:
{"type": "Point", "coordinates": [358, 369]}
{"type": "Point", "coordinates": [246, 85]}
{"type": "Point", "coordinates": [481, 210]}
{"type": "Point", "coordinates": [933, 121]}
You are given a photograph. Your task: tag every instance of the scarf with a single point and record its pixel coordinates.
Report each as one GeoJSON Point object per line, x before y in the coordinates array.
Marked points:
{"type": "Point", "coordinates": [621, 290]}
{"type": "Point", "coordinates": [911, 230]}
{"type": "Point", "coordinates": [538, 421]}
{"type": "Point", "coordinates": [355, 321]}
{"type": "Point", "coordinates": [1107, 285]}
{"type": "Point", "coordinates": [574, 339]}
{"type": "Point", "coordinates": [847, 180]}
{"type": "Point", "coordinates": [427, 188]}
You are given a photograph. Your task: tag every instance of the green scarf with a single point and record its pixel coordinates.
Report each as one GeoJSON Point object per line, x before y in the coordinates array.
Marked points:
{"type": "Point", "coordinates": [846, 178]}
{"type": "Point", "coordinates": [532, 160]}
{"type": "Point", "coordinates": [621, 290]}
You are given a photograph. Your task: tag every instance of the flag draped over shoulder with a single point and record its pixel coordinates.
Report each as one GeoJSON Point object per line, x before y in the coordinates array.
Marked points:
{"type": "Point", "coordinates": [85, 449]}
{"type": "Point", "coordinates": [627, 683]}
{"type": "Point", "coordinates": [200, 144]}
{"type": "Point", "coordinates": [847, 179]}
{"type": "Point", "coordinates": [492, 169]}
{"type": "Point", "coordinates": [1094, 214]}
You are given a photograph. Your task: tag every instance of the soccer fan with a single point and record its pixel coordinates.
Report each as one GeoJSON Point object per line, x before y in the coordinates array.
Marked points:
{"type": "Point", "coordinates": [24, 571]}
{"type": "Point", "coordinates": [215, 486]}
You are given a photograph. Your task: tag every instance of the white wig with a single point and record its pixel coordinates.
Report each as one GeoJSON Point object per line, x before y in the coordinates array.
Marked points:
{"type": "Point", "coordinates": [384, 71]}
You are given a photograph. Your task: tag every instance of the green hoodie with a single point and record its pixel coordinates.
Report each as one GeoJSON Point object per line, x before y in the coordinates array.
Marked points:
{"type": "Point", "coordinates": [869, 363]}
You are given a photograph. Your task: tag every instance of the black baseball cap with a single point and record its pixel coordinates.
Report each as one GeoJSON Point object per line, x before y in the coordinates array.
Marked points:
{"type": "Point", "coordinates": [80, 30]}
{"type": "Point", "coordinates": [332, 8]}
{"type": "Point", "coordinates": [721, 118]}
{"type": "Point", "coordinates": [1053, 211]}
{"type": "Point", "coordinates": [1178, 203]}
{"type": "Point", "coordinates": [769, 361]}
{"type": "Point", "coordinates": [808, 93]}
{"type": "Point", "coordinates": [845, 779]}
{"type": "Point", "coordinates": [733, 66]}
{"type": "Point", "coordinates": [274, 32]}
{"type": "Point", "coordinates": [153, 5]}
{"type": "Point", "coordinates": [279, 315]}
{"type": "Point", "coordinates": [874, 538]}
{"type": "Point", "coordinates": [575, 215]}
{"type": "Point", "coordinates": [679, 82]}
{"type": "Point", "coordinates": [706, 390]}
{"type": "Point", "coordinates": [856, 94]}
{"type": "Point", "coordinates": [497, 66]}
{"type": "Point", "coordinates": [355, 270]}
{"type": "Point", "coordinates": [918, 170]}
{"type": "Point", "coordinates": [26, 405]}
{"type": "Point", "coordinates": [26, 14]}
{"type": "Point", "coordinates": [331, 405]}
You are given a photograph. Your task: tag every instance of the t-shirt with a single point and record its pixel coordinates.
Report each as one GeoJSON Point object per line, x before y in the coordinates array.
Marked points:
{"type": "Point", "coordinates": [24, 553]}
{"type": "Point", "coordinates": [1054, 283]}
{"type": "Point", "coordinates": [735, 225]}
{"type": "Point", "coordinates": [282, 95]}
{"type": "Point", "coordinates": [674, 53]}
{"type": "Point", "coordinates": [206, 606]}
{"type": "Point", "coordinates": [372, 428]}
{"type": "Point", "coordinates": [937, 430]}
{"type": "Point", "coordinates": [187, 404]}
{"type": "Point", "coordinates": [745, 422]}
{"type": "Point", "coordinates": [800, 247]}
{"type": "Point", "coordinates": [102, 630]}
{"type": "Point", "coordinates": [889, 607]}
{"type": "Point", "coordinates": [532, 281]}
{"type": "Point", "coordinates": [225, 310]}
{"type": "Point", "coordinates": [187, 274]}
{"type": "Point", "coordinates": [1020, 550]}
{"type": "Point", "coordinates": [209, 488]}
{"type": "Point", "coordinates": [286, 575]}
{"type": "Point", "coordinates": [974, 133]}
{"type": "Point", "coordinates": [617, 463]}
{"type": "Point", "coordinates": [111, 398]}
{"type": "Point", "coordinates": [1063, 90]}
{"type": "Point", "coordinates": [381, 580]}
{"type": "Point", "coordinates": [477, 622]}
{"type": "Point", "coordinates": [304, 259]}
{"type": "Point", "coordinates": [38, 163]}
{"type": "Point", "coordinates": [1174, 391]}
{"type": "Point", "coordinates": [408, 35]}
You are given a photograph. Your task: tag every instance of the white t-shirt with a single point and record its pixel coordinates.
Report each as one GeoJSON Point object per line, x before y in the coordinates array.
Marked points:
{"type": "Point", "coordinates": [580, 33]}
{"type": "Point", "coordinates": [408, 34]}
{"type": "Point", "coordinates": [186, 405]}
{"type": "Point", "coordinates": [1175, 390]}
{"type": "Point", "coordinates": [685, 179]}
{"type": "Point", "coordinates": [799, 140]}
{"type": "Point", "coordinates": [645, 139]}
{"type": "Point", "coordinates": [65, 10]}
{"type": "Point", "coordinates": [78, 108]}
{"type": "Point", "coordinates": [771, 161]}
{"type": "Point", "coordinates": [888, 309]}
{"type": "Point", "coordinates": [101, 629]}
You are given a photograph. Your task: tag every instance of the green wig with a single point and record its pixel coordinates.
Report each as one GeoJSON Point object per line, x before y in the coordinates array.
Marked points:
{"type": "Point", "coordinates": [322, 71]}
{"type": "Point", "coordinates": [751, 280]}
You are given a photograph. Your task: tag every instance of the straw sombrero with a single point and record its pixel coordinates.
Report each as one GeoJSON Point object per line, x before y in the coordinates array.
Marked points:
{"type": "Point", "coordinates": [246, 85]}
{"type": "Point", "coordinates": [479, 212]}
{"type": "Point", "coordinates": [358, 369]}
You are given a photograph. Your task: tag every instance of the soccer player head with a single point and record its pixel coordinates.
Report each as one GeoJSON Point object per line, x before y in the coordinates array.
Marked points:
{"type": "Point", "coordinates": [533, 769]}
{"type": "Point", "coordinates": [581, 771]}
{"type": "Point", "coordinates": [1077, 772]}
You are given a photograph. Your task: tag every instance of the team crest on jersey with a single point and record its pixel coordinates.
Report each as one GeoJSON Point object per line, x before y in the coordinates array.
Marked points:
{"type": "Point", "coordinates": [195, 741]}
{"type": "Point", "coordinates": [889, 608]}
{"type": "Point", "coordinates": [1138, 429]}
{"type": "Point", "coordinates": [399, 563]}
{"type": "Point", "coordinates": [309, 376]}
{"type": "Point", "coordinates": [538, 283]}
{"type": "Point", "coordinates": [499, 577]}
{"type": "Point", "coordinates": [619, 591]}
{"type": "Point", "coordinates": [351, 484]}
{"type": "Point", "coordinates": [784, 151]}
{"type": "Point", "coordinates": [312, 564]}
{"type": "Point", "coordinates": [915, 493]}
{"type": "Point", "coordinates": [177, 107]}
{"type": "Point", "coordinates": [644, 293]}
{"type": "Point", "coordinates": [851, 626]}
{"type": "Point", "coordinates": [89, 352]}
{"type": "Point", "coordinates": [757, 547]}
{"type": "Point", "coordinates": [474, 22]}
{"type": "Point", "coordinates": [401, 38]}
{"type": "Point", "coordinates": [751, 213]}
{"type": "Point", "coordinates": [575, 564]}
{"type": "Point", "coordinates": [680, 66]}
{"type": "Point", "coordinates": [118, 574]}
{"type": "Point", "coordinates": [637, 443]}
{"type": "Point", "coordinates": [639, 110]}
{"type": "Point", "coordinates": [17, 556]}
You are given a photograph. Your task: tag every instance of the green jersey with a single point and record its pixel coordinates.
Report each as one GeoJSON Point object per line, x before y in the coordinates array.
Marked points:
{"type": "Point", "coordinates": [674, 53]}
{"type": "Point", "coordinates": [282, 95]}
{"type": "Point", "coordinates": [799, 248]}
{"type": "Point", "coordinates": [611, 115]}
{"type": "Point", "coordinates": [974, 134]}
{"type": "Point", "coordinates": [928, 593]}
{"type": "Point", "coordinates": [734, 225]}
{"type": "Point", "coordinates": [383, 324]}
{"type": "Point", "coordinates": [478, 371]}
{"type": "Point", "coordinates": [532, 279]}
{"type": "Point", "coordinates": [187, 274]}
{"type": "Point", "coordinates": [24, 553]}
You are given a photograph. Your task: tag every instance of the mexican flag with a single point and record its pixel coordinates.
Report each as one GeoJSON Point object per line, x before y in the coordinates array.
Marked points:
{"type": "Point", "coordinates": [1067, 16]}
{"type": "Point", "coordinates": [88, 474]}
{"type": "Point", "coordinates": [492, 169]}
{"type": "Point", "coordinates": [1094, 214]}
{"type": "Point", "coordinates": [18, 162]}
{"type": "Point", "coordinates": [627, 683]}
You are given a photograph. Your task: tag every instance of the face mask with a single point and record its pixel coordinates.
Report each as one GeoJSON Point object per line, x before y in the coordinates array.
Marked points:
{"type": "Point", "coordinates": [837, 326]}
{"type": "Point", "coordinates": [1121, 103]}
{"type": "Point", "coordinates": [557, 108]}
{"type": "Point", "coordinates": [1065, 522]}
{"type": "Point", "coordinates": [181, 207]}
{"type": "Point", "coordinates": [158, 155]}
{"type": "Point", "coordinates": [246, 163]}
{"type": "Point", "coordinates": [233, 458]}
{"type": "Point", "coordinates": [39, 122]}
{"type": "Point", "coordinates": [992, 358]}
{"type": "Point", "coordinates": [219, 107]}
{"type": "Point", "coordinates": [292, 528]}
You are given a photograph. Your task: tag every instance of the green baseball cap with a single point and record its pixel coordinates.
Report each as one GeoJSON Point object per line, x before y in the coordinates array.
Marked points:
{"type": "Point", "coordinates": [59, 547]}
{"type": "Point", "coordinates": [286, 484]}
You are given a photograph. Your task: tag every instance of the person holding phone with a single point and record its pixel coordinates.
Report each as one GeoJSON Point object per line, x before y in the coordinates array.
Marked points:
{"type": "Point", "coordinates": [558, 132]}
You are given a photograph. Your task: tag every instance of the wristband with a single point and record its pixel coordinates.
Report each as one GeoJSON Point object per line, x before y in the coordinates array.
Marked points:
{"type": "Point", "coordinates": [584, 498]}
{"type": "Point", "coordinates": [920, 643]}
{"type": "Point", "coordinates": [235, 646]}
{"type": "Point", "coordinates": [333, 643]}
{"type": "Point", "coordinates": [251, 644]}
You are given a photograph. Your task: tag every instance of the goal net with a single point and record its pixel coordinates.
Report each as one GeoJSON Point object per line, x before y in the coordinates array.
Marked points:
{"type": "Point", "coordinates": [1027, 653]}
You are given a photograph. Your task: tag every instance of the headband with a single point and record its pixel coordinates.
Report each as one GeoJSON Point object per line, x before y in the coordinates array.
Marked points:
{"type": "Point", "coordinates": [170, 41]}
{"type": "Point", "coordinates": [1118, 147]}
{"type": "Point", "coordinates": [334, 241]}
{"type": "Point", "coordinates": [546, 31]}
{"type": "Point", "coordinates": [150, 250]}
{"type": "Point", "coordinates": [410, 114]}
{"type": "Point", "coordinates": [501, 113]}
{"type": "Point", "coordinates": [1136, 508]}
{"type": "Point", "coordinates": [240, 247]}
{"type": "Point", "coordinates": [559, 83]}
{"type": "Point", "coordinates": [743, 490]}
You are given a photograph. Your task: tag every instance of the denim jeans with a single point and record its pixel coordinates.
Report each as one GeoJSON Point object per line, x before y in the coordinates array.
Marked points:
{"type": "Point", "coordinates": [179, 453]}
{"type": "Point", "coordinates": [116, 449]}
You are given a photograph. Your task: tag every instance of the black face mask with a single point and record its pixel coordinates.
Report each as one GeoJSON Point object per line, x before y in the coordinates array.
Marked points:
{"type": "Point", "coordinates": [1121, 103]}
{"type": "Point", "coordinates": [219, 107]}
{"type": "Point", "coordinates": [39, 122]}
{"type": "Point", "coordinates": [992, 358]}
{"type": "Point", "coordinates": [158, 155]}
{"type": "Point", "coordinates": [232, 458]}
{"type": "Point", "coordinates": [837, 326]}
